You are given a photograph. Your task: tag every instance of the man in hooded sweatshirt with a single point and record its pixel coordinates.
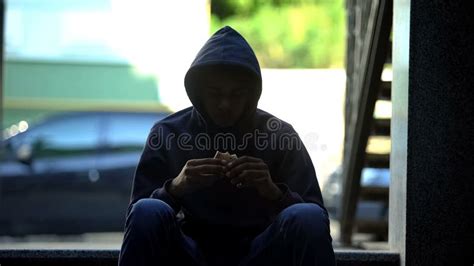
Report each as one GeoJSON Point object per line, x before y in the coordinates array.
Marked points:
{"type": "Point", "coordinates": [189, 208]}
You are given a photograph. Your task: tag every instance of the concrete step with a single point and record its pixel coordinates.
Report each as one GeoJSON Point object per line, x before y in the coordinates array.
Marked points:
{"type": "Point", "coordinates": [64, 257]}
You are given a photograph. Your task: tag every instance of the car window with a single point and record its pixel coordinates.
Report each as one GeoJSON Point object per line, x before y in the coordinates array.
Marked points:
{"type": "Point", "coordinates": [128, 132]}
{"type": "Point", "coordinates": [3, 150]}
{"type": "Point", "coordinates": [375, 177]}
{"type": "Point", "coordinates": [63, 135]}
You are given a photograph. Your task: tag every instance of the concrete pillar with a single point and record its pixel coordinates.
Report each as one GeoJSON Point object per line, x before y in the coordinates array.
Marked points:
{"type": "Point", "coordinates": [2, 24]}
{"type": "Point", "coordinates": [432, 166]}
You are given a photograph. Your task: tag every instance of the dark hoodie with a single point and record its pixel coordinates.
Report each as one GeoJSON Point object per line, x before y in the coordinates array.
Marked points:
{"type": "Point", "coordinates": [184, 135]}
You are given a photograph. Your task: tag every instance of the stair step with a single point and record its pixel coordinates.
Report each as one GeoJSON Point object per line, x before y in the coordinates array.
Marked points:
{"type": "Point", "coordinates": [380, 127]}
{"type": "Point", "coordinates": [374, 193]}
{"type": "Point", "coordinates": [377, 227]}
{"type": "Point", "coordinates": [110, 257]}
{"type": "Point", "coordinates": [375, 160]}
{"type": "Point", "coordinates": [385, 91]}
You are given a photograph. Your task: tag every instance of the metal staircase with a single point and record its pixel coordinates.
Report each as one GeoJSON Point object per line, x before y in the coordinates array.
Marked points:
{"type": "Point", "coordinates": [369, 49]}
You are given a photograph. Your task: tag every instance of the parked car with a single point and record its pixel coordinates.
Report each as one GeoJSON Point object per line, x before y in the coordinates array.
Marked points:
{"type": "Point", "coordinates": [366, 210]}
{"type": "Point", "coordinates": [71, 173]}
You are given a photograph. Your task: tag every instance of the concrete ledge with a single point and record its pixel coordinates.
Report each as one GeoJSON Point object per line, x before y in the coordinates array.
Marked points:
{"type": "Point", "coordinates": [366, 258]}
{"type": "Point", "coordinates": [58, 257]}
{"type": "Point", "coordinates": [70, 257]}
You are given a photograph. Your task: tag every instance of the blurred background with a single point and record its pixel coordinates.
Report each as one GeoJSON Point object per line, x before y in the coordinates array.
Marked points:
{"type": "Point", "coordinates": [84, 81]}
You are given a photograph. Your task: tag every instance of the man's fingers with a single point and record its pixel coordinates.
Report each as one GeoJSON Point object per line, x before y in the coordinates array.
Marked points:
{"type": "Point", "coordinates": [203, 179]}
{"type": "Point", "coordinates": [237, 170]}
{"type": "Point", "coordinates": [241, 160]}
{"type": "Point", "coordinates": [254, 182]}
{"type": "Point", "coordinates": [203, 175]}
{"type": "Point", "coordinates": [206, 161]}
{"type": "Point", "coordinates": [248, 177]}
{"type": "Point", "coordinates": [206, 169]}
{"type": "Point", "coordinates": [244, 171]}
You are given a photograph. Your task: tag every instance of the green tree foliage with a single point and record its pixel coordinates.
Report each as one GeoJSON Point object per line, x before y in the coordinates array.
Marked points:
{"type": "Point", "coordinates": [287, 33]}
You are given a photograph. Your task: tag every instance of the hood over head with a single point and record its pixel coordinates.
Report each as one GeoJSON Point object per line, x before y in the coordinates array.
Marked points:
{"type": "Point", "coordinates": [225, 48]}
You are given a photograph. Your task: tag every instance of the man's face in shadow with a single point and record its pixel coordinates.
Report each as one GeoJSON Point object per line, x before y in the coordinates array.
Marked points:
{"type": "Point", "coordinates": [225, 93]}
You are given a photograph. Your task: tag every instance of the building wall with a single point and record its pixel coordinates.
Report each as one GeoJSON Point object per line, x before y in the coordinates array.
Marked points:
{"type": "Point", "coordinates": [33, 89]}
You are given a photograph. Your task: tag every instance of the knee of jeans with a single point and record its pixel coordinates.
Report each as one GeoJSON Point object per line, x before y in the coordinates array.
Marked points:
{"type": "Point", "coordinates": [151, 213]}
{"type": "Point", "coordinates": [306, 218]}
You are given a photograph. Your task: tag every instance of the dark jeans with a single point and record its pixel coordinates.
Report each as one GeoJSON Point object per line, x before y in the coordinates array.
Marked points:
{"type": "Point", "coordinates": [298, 236]}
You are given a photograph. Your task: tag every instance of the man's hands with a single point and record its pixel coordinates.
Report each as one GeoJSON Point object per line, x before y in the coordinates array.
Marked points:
{"type": "Point", "coordinates": [249, 171]}
{"type": "Point", "coordinates": [197, 173]}
{"type": "Point", "coordinates": [245, 171]}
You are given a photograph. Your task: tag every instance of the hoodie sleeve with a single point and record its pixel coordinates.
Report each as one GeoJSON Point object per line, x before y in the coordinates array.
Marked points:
{"type": "Point", "coordinates": [152, 177]}
{"type": "Point", "coordinates": [297, 178]}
